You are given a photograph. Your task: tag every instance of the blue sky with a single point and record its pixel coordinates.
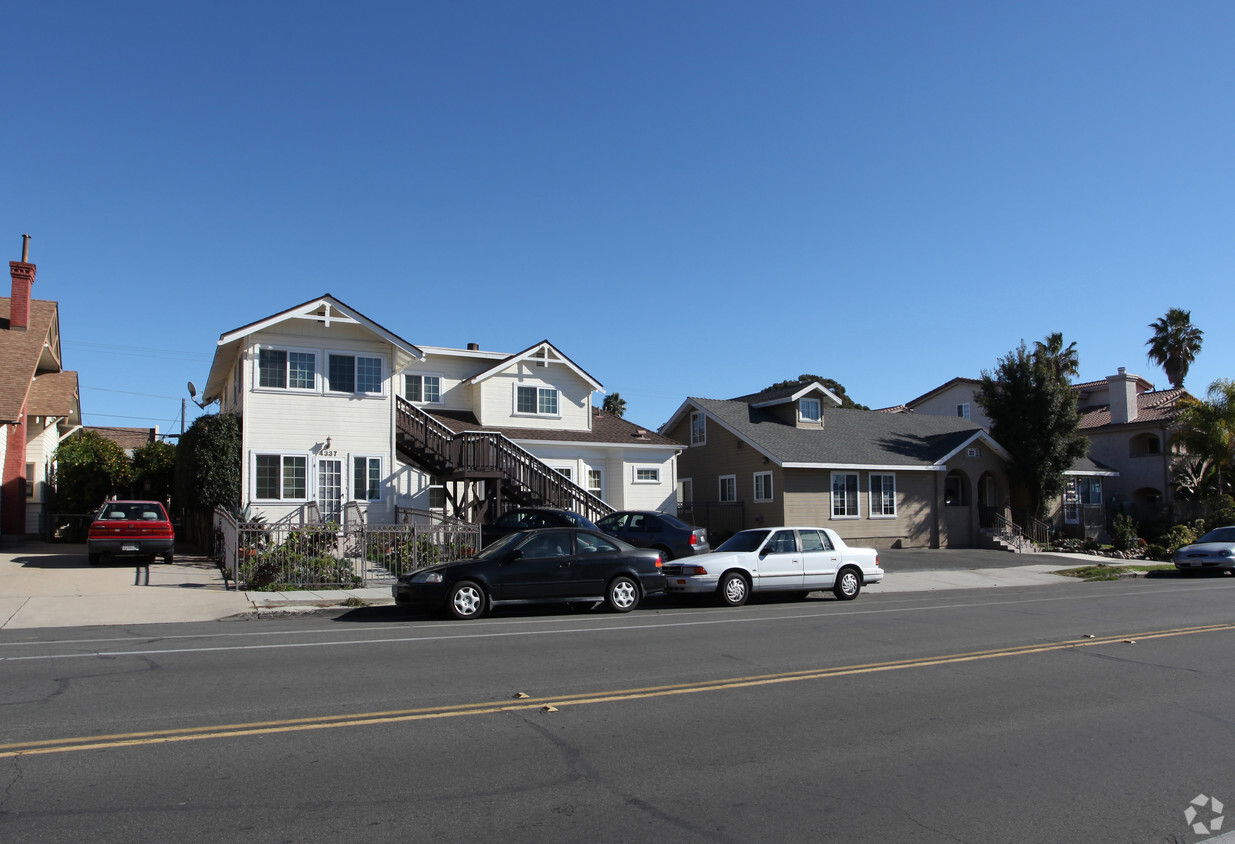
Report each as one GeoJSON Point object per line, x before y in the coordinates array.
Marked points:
{"type": "Point", "coordinates": [694, 198]}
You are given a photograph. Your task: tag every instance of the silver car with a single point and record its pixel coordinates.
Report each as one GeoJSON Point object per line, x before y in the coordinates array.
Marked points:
{"type": "Point", "coordinates": [796, 560]}
{"type": "Point", "coordinates": [1215, 551]}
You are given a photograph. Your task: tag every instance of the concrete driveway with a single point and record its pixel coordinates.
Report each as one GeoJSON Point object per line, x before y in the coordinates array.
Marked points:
{"type": "Point", "coordinates": [52, 585]}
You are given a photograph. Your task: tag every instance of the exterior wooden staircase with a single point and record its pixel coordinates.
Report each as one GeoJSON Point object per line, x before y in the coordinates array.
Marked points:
{"type": "Point", "coordinates": [485, 473]}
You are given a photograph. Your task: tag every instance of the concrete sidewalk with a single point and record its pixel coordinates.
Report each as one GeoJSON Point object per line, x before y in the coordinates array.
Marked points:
{"type": "Point", "coordinates": [52, 585]}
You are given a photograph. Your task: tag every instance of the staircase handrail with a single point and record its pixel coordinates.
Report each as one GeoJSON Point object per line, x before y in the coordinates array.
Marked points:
{"type": "Point", "coordinates": [494, 451]}
{"type": "Point", "coordinates": [1012, 529]}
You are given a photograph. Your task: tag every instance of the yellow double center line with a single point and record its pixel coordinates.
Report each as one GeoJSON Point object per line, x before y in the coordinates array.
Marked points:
{"type": "Point", "coordinates": [259, 728]}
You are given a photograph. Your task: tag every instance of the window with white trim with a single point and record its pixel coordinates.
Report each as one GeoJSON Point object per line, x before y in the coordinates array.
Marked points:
{"type": "Point", "coordinates": [567, 472]}
{"type": "Point", "coordinates": [287, 369]}
{"type": "Point", "coordinates": [647, 474]}
{"type": "Point", "coordinates": [540, 401]}
{"type": "Point", "coordinates": [355, 374]}
{"type": "Point", "coordinates": [280, 477]}
{"type": "Point", "coordinates": [810, 410]}
{"type": "Point", "coordinates": [763, 486]}
{"type": "Point", "coordinates": [728, 488]}
{"type": "Point", "coordinates": [596, 482]}
{"type": "Point", "coordinates": [962, 410]}
{"type": "Point", "coordinates": [29, 480]}
{"type": "Point", "coordinates": [698, 429]}
{"type": "Point", "coordinates": [686, 491]}
{"type": "Point", "coordinates": [437, 494]}
{"type": "Point", "coordinates": [845, 495]}
{"type": "Point", "coordinates": [883, 496]}
{"type": "Point", "coordinates": [366, 478]}
{"type": "Point", "coordinates": [422, 389]}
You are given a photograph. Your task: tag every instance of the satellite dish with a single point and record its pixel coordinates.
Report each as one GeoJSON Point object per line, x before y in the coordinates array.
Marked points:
{"type": "Point", "coordinates": [192, 391]}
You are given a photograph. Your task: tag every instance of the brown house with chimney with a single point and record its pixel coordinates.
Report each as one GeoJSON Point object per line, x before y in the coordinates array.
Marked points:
{"type": "Point", "coordinates": [39, 401]}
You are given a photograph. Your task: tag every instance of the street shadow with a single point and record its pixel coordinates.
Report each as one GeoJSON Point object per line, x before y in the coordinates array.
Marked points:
{"type": "Point", "coordinates": [76, 561]}
{"type": "Point", "coordinates": [1176, 574]}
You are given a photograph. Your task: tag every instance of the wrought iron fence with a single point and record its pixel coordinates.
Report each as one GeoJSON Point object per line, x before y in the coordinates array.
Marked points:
{"type": "Point", "coordinates": [276, 557]}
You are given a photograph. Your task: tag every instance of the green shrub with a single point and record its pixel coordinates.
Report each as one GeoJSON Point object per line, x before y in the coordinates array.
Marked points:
{"type": "Point", "coordinates": [304, 560]}
{"type": "Point", "coordinates": [1123, 533]}
{"type": "Point", "coordinates": [1158, 553]}
{"type": "Point", "coordinates": [1178, 536]}
{"type": "Point", "coordinates": [1220, 511]}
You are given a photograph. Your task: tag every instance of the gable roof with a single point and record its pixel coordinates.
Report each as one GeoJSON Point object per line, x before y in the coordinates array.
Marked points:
{"type": "Point", "coordinates": [127, 438]}
{"type": "Point", "coordinates": [56, 394]}
{"type": "Point", "coordinates": [942, 388]}
{"type": "Point", "coordinates": [848, 438]}
{"type": "Point", "coordinates": [26, 354]}
{"type": "Point", "coordinates": [533, 352]}
{"type": "Point", "coordinates": [785, 395]}
{"type": "Point", "coordinates": [324, 308]}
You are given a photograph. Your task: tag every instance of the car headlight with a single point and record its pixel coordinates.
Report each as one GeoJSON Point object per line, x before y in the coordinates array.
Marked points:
{"type": "Point", "coordinates": [427, 577]}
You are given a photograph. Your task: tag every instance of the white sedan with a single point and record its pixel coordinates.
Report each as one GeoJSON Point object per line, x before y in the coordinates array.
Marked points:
{"type": "Point", "coordinates": [797, 560]}
{"type": "Point", "coordinates": [1215, 551]}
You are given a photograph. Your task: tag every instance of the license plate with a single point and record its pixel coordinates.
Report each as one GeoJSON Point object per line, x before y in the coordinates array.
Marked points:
{"type": "Point", "coordinates": [129, 548]}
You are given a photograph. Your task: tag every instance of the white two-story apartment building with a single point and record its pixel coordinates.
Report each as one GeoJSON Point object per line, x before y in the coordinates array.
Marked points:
{"type": "Point", "coordinates": [336, 409]}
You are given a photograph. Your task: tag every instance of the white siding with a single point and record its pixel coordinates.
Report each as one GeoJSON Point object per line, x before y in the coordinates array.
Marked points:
{"type": "Point", "coordinates": [496, 405]}
{"type": "Point", "coordinates": [41, 442]}
{"type": "Point", "coordinates": [283, 421]}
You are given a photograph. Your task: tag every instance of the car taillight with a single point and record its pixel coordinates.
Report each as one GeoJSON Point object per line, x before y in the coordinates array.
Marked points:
{"type": "Point", "coordinates": [876, 559]}
{"type": "Point", "coordinates": [693, 539]}
{"type": "Point", "coordinates": [97, 530]}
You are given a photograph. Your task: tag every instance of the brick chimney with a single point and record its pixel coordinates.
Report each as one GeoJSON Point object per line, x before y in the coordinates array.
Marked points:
{"type": "Point", "coordinates": [1123, 394]}
{"type": "Point", "coordinates": [23, 279]}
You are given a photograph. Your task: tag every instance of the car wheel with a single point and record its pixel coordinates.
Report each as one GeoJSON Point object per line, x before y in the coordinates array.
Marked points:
{"type": "Point", "coordinates": [665, 554]}
{"type": "Point", "coordinates": [622, 594]}
{"type": "Point", "coordinates": [733, 589]}
{"type": "Point", "coordinates": [848, 584]}
{"type": "Point", "coordinates": [466, 600]}
{"type": "Point", "coordinates": [94, 559]}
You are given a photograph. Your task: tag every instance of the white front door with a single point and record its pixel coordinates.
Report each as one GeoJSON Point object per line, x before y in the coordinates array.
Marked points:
{"type": "Point", "coordinates": [330, 489]}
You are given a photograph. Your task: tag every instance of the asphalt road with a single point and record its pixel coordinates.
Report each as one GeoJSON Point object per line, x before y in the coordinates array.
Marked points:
{"type": "Point", "coordinates": [983, 715]}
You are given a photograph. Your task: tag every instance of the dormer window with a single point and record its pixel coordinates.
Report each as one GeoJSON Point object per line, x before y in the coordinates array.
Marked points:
{"type": "Point", "coordinates": [810, 410]}
{"type": "Point", "coordinates": [540, 401]}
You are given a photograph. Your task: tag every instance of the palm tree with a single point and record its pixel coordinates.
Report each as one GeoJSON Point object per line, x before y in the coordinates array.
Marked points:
{"type": "Point", "coordinates": [1207, 429]}
{"type": "Point", "coordinates": [1065, 361]}
{"type": "Point", "coordinates": [1175, 344]}
{"type": "Point", "coordinates": [615, 404]}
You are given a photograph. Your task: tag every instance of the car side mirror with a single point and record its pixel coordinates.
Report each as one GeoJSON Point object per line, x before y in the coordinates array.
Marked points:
{"type": "Point", "coordinates": [516, 554]}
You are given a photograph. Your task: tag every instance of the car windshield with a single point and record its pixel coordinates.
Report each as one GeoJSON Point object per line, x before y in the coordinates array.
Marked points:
{"type": "Point", "coordinates": [133, 511]}
{"type": "Point", "coordinates": [747, 540]}
{"type": "Point", "coordinates": [1222, 534]}
{"type": "Point", "coordinates": [499, 546]}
